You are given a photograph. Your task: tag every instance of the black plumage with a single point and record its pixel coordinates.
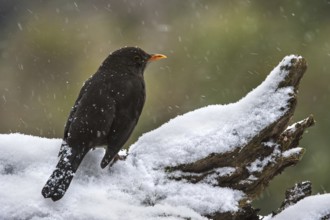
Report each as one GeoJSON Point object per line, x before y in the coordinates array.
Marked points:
{"type": "Point", "coordinates": [105, 113]}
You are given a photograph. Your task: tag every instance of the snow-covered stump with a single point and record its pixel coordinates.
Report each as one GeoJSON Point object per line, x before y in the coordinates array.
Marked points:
{"type": "Point", "coordinates": [241, 146]}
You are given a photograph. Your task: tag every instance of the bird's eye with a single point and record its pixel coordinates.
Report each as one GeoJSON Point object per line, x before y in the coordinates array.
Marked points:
{"type": "Point", "coordinates": [137, 59]}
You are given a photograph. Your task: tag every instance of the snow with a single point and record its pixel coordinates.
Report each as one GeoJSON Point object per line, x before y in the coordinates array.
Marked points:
{"type": "Point", "coordinates": [310, 208]}
{"type": "Point", "coordinates": [138, 188]}
{"type": "Point", "coordinates": [292, 152]}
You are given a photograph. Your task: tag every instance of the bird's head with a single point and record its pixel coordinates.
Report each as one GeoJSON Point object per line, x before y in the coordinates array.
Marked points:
{"type": "Point", "coordinates": [131, 60]}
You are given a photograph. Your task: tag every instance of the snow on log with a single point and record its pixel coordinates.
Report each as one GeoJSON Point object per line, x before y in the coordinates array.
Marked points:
{"type": "Point", "coordinates": [210, 162]}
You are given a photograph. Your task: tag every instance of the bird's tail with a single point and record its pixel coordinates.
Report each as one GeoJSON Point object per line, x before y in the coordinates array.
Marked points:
{"type": "Point", "coordinates": [60, 180]}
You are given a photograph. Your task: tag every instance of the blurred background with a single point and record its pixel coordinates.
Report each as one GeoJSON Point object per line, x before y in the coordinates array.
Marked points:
{"type": "Point", "coordinates": [217, 52]}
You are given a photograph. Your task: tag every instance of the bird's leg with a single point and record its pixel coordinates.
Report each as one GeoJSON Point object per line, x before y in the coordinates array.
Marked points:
{"type": "Point", "coordinates": [111, 155]}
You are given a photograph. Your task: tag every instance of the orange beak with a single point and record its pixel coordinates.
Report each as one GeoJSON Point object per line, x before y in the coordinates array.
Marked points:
{"type": "Point", "coordinates": [155, 57]}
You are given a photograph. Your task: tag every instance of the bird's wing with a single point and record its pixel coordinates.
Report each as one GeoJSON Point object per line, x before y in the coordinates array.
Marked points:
{"type": "Point", "coordinates": [70, 118]}
{"type": "Point", "coordinates": [72, 113]}
{"type": "Point", "coordinates": [90, 120]}
{"type": "Point", "coordinates": [74, 108]}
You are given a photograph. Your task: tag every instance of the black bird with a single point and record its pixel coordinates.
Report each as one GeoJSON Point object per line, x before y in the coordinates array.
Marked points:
{"type": "Point", "coordinates": [105, 113]}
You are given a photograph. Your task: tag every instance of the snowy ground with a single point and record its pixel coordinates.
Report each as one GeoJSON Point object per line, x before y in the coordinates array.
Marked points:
{"type": "Point", "coordinates": [27, 161]}
{"type": "Point", "coordinates": [138, 188]}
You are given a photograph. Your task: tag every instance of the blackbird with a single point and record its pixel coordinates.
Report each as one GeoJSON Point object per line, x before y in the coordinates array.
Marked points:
{"type": "Point", "coordinates": [105, 113]}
